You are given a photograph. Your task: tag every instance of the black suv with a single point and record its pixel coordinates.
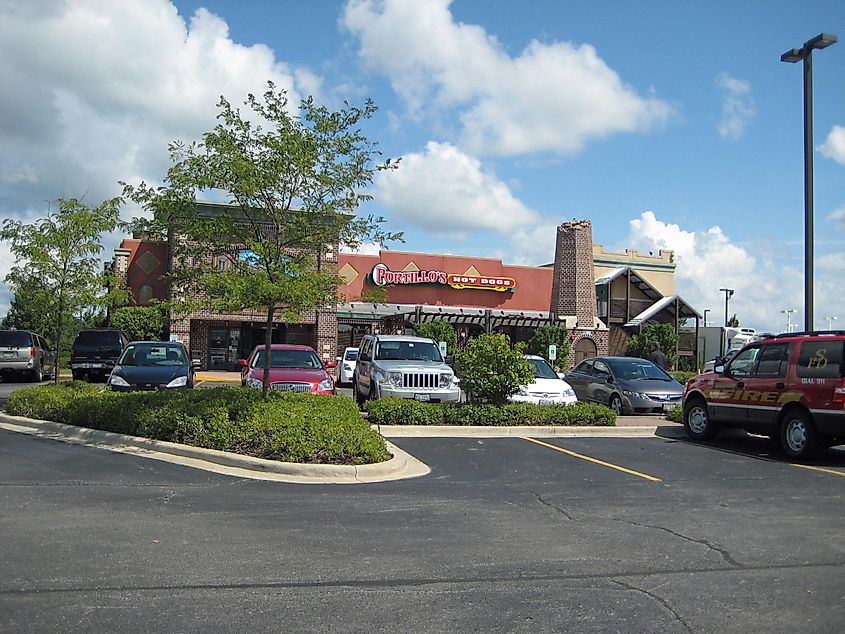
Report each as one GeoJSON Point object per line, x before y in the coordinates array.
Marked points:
{"type": "Point", "coordinates": [790, 387]}
{"type": "Point", "coordinates": [94, 353]}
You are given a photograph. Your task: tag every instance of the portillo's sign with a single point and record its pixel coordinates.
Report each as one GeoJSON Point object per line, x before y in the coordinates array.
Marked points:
{"type": "Point", "coordinates": [382, 276]}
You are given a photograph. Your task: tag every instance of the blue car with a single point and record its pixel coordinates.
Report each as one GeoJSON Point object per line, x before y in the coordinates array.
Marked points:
{"type": "Point", "coordinates": [153, 365]}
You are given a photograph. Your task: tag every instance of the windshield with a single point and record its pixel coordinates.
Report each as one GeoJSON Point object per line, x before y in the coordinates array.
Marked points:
{"type": "Point", "coordinates": [542, 370]}
{"type": "Point", "coordinates": [351, 355]}
{"type": "Point", "coordinates": [408, 351]}
{"type": "Point", "coordinates": [96, 340]}
{"type": "Point", "coordinates": [637, 370]}
{"type": "Point", "coordinates": [15, 339]}
{"type": "Point", "coordinates": [288, 359]}
{"type": "Point", "coordinates": [148, 354]}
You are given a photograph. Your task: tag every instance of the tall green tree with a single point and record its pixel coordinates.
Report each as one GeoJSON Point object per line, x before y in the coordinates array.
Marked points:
{"type": "Point", "coordinates": [439, 330]}
{"type": "Point", "coordinates": [141, 323]}
{"type": "Point", "coordinates": [490, 370]}
{"type": "Point", "coordinates": [548, 335]}
{"type": "Point", "coordinates": [663, 334]}
{"type": "Point", "coordinates": [294, 180]}
{"type": "Point", "coordinates": [57, 261]}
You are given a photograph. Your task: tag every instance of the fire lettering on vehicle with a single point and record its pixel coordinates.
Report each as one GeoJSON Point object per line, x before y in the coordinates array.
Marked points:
{"type": "Point", "coordinates": [752, 396]}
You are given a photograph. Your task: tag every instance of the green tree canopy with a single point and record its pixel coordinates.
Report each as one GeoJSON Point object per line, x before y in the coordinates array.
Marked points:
{"type": "Point", "coordinates": [491, 370]}
{"type": "Point", "coordinates": [439, 330]}
{"type": "Point", "coordinates": [293, 180]}
{"type": "Point", "coordinates": [58, 270]}
{"type": "Point", "coordinates": [141, 323]}
{"type": "Point", "coordinates": [545, 336]}
{"type": "Point", "coordinates": [663, 334]}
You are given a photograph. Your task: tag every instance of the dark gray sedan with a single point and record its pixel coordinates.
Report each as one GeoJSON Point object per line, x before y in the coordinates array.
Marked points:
{"type": "Point", "coordinates": [627, 385]}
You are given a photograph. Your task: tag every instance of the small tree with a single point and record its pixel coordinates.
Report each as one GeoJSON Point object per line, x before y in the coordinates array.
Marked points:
{"type": "Point", "coordinates": [491, 370]}
{"type": "Point", "coordinates": [58, 261]}
{"type": "Point", "coordinates": [140, 323]}
{"type": "Point", "coordinates": [663, 334]}
{"type": "Point", "coordinates": [733, 321]}
{"type": "Point", "coordinates": [548, 335]}
{"type": "Point", "coordinates": [293, 187]}
{"type": "Point", "coordinates": [439, 330]}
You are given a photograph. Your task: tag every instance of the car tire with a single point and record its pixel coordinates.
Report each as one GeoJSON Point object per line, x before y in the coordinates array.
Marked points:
{"type": "Point", "coordinates": [38, 374]}
{"type": "Point", "coordinates": [360, 399]}
{"type": "Point", "coordinates": [798, 436]}
{"type": "Point", "coordinates": [616, 405]}
{"type": "Point", "coordinates": [697, 422]}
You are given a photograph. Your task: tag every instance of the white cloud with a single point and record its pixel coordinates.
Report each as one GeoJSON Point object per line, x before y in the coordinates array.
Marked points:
{"type": "Point", "coordinates": [551, 97]}
{"type": "Point", "coordinates": [834, 145]}
{"type": "Point", "coordinates": [838, 216]}
{"type": "Point", "coordinates": [94, 90]}
{"type": "Point", "coordinates": [446, 191]}
{"type": "Point", "coordinates": [737, 106]}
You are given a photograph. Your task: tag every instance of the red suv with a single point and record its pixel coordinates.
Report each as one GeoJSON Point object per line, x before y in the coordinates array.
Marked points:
{"type": "Point", "coordinates": [790, 387]}
{"type": "Point", "coordinates": [292, 368]}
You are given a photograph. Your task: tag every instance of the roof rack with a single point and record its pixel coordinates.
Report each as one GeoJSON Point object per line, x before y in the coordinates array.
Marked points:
{"type": "Point", "coordinates": [810, 333]}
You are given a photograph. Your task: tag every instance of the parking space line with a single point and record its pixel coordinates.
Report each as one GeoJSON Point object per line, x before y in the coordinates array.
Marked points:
{"type": "Point", "coordinates": [822, 469]}
{"type": "Point", "coordinates": [594, 460]}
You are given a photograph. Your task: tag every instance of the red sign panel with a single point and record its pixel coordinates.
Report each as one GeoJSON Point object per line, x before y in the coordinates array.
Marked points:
{"type": "Point", "coordinates": [382, 276]}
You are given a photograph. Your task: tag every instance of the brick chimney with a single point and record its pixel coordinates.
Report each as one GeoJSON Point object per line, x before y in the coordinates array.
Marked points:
{"type": "Point", "coordinates": [573, 286]}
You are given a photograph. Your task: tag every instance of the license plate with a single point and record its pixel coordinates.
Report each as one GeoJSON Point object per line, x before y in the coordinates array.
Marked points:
{"type": "Point", "coordinates": [8, 354]}
{"type": "Point", "coordinates": [421, 397]}
{"type": "Point", "coordinates": [544, 401]}
{"type": "Point", "coordinates": [669, 406]}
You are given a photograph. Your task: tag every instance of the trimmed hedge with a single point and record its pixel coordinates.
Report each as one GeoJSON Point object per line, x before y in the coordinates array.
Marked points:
{"type": "Point", "coordinates": [676, 414]}
{"type": "Point", "coordinates": [682, 377]}
{"type": "Point", "coordinates": [396, 411]}
{"type": "Point", "coordinates": [288, 427]}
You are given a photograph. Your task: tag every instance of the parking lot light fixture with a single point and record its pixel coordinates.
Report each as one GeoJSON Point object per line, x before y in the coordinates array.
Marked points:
{"type": "Point", "coordinates": [789, 312]}
{"type": "Point", "coordinates": [805, 54]}
{"type": "Point", "coordinates": [728, 294]}
{"type": "Point", "coordinates": [830, 321]}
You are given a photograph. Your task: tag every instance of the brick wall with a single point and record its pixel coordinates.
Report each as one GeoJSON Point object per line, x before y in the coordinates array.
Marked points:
{"type": "Point", "coordinates": [573, 285]}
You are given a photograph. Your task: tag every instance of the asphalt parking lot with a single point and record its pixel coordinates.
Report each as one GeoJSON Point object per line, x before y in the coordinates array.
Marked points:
{"type": "Point", "coordinates": [505, 534]}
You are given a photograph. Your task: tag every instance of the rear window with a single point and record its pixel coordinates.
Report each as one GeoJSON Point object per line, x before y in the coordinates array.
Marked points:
{"type": "Point", "coordinates": [351, 355]}
{"type": "Point", "coordinates": [97, 339]}
{"type": "Point", "coordinates": [15, 339]}
{"type": "Point", "coordinates": [821, 359]}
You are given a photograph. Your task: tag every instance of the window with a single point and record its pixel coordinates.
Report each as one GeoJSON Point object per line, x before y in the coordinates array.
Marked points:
{"type": "Point", "coordinates": [145, 294]}
{"type": "Point", "coordinates": [601, 370]}
{"type": "Point", "coordinates": [773, 360]}
{"type": "Point", "coordinates": [821, 359]}
{"type": "Point", "coordinates": [743, 363]}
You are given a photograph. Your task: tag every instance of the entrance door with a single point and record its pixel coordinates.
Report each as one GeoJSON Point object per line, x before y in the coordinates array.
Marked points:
{"type": "Point", "coordinates": [223, 343]}
{"type": "Point", "coordinates": [584, 349]}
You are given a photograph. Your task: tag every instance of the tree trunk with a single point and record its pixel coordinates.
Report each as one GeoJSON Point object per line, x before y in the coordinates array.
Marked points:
{"type": "Point", "coordinates": [59, 328]}
{"type": "Point", "coordinates": [268, 341]}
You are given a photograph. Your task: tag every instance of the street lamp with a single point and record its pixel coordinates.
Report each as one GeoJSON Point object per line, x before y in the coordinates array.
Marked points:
{"type": "Point", "coordinates": [829, 324]}
{"type": "Point", "coordinates": [789, 318]}
{"type": "Point", "coordinates": [805, 53]}
{"type": "Point", "coordinates": [728, 294]}
{"type": "Point", "coordinates": [706, 310]}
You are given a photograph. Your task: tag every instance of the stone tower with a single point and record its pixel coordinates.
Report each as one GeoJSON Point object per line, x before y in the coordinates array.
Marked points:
{"type": "Point", "coordinates": [573, 286]}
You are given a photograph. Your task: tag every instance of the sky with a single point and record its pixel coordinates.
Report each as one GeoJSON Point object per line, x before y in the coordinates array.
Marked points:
{"type": "Point", "coordinates": [669, 125]}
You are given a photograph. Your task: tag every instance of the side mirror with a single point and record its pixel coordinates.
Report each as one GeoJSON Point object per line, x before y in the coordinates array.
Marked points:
{"type": "Point", "coordinates": [608, 379]}
{"type": "Point", "coordinates": [719, 369]}
{"type": "Point", "coordinates": [450, 360]}
{"type": "Point", "coordinates": [242, 363]}
{"type": "Point", "coordinates": [561, 375]}
{"type": "Point", "coordinates": [337, 359]}
{"type": "Point", "coordinates": [331, 364]}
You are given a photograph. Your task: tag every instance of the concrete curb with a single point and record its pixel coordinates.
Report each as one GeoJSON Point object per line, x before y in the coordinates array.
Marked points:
{"type": "Point", "coordinates": [448, 431]}
{"type": "Point", "coordinates": [401, 466]}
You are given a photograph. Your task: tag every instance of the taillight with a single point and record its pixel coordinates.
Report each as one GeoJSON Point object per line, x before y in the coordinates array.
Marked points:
{"type": "Point", "coordinates": [839, 392]}
{"type": "Point", "coordinates": [32, 352]}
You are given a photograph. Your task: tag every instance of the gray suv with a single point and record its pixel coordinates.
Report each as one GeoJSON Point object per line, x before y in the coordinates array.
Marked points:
{"type": "Point", "coordinates": [24, 353]}
{"type": "Point", "coordinates": [403, 367]}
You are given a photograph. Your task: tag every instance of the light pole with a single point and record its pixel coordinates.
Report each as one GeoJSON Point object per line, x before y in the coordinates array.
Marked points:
{"type": "Point", "coordinates": [728, 294]}
{"type": "Point", "coordinates": [805, 53]}
{"type": "Point", "coordinates": [789, 318]}
{"type": "Point", "coordinates": [706, 310]}
{"type": "Point", "coordinates": [829, 322]}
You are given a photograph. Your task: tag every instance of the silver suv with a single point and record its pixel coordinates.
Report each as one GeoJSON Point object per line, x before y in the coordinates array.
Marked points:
{"type": "Point", "coordinates": [25, 353]}
{"type": "Point", "coordinates": [403, 367]}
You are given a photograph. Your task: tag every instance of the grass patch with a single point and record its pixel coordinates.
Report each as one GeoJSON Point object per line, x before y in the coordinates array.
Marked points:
{"type": "Point", "coordinates": [289, 427]}
{"type": "Point", "coordinates": [396, 411]}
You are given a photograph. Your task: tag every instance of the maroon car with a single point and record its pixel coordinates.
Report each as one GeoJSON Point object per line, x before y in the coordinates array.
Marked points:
{"type": "Point", "coordinates": [292, 368]}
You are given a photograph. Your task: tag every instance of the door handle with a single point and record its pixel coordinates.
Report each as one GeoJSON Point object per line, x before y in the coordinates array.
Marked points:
{"type": "Point", "coordinates": [780, 386]}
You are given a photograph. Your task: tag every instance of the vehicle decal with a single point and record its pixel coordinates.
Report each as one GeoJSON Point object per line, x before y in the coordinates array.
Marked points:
{"type": "Point", "coordinates": [752, 396]}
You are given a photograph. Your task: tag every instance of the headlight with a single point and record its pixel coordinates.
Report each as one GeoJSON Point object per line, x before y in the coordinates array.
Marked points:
{"type": "Point", "coordinates": [446, 380]}
{"type": "Point", "coordinates": [395, 378]}
{"type": "Point", "coordinates": [569, 392]}
{"type": "Point", "coordinates": [325, 385]}
{"type": "Point", "coordinates": [179, 381]}
{"type": "Point", "coordinates": [346, 367]}
{"type": "Point", "coordinates": [523, 391]}
{"type": "Point", "coordinates": [632, 394]}
{"type": "Point", "coordinates": [253, 382]}
{"type": "Point", "coordinates": [118, 380]}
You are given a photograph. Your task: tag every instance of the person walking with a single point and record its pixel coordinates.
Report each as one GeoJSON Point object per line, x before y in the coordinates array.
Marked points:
{"type": "Point", "coordinates": [657, 356]}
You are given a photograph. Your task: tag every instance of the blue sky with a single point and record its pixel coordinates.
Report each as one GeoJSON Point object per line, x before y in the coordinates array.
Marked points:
{"type": "Point", "coordinates": [668, 124]}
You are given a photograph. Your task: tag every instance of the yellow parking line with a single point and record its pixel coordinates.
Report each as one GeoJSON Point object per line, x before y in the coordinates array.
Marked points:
{"type": "Point", "coordinates": [822, 469]}
{"type": "Point", "coordinates": [589, 459]}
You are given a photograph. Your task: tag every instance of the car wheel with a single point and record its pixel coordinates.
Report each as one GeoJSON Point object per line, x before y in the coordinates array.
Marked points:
{"type": "Point", "coordinates": [38, 374]}
{"type": "Point", "coordinates": [798, 437]}
{"type": "Point", "coordinates": [359, 398]}
{"type": "Point", "coordinates": [697, 422]}
{"type": "Point", "coordinates": [616, 404]}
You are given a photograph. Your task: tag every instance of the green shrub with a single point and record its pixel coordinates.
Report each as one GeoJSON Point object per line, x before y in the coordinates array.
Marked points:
{"type": "Point", "coordinates": [676, 414]}
{"type": "Point", "coordinates": [288, 427]}
{"type": "Point", "coordinates": [682, 377]}
{"type": "Point", "coordinates": [490, 370]}
{"type": "Point", "coordinates": [547, 335]}
{"type": "Point", "coordinates": [394, 411]}
{"type": "Point", "coordinates": [439, 330]}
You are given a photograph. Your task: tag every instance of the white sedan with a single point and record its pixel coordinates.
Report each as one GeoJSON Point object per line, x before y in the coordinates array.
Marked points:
{"type": "Point", "coordinates": [547, 389]}
{"type": "Point", "coordinates": [346, 365]}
